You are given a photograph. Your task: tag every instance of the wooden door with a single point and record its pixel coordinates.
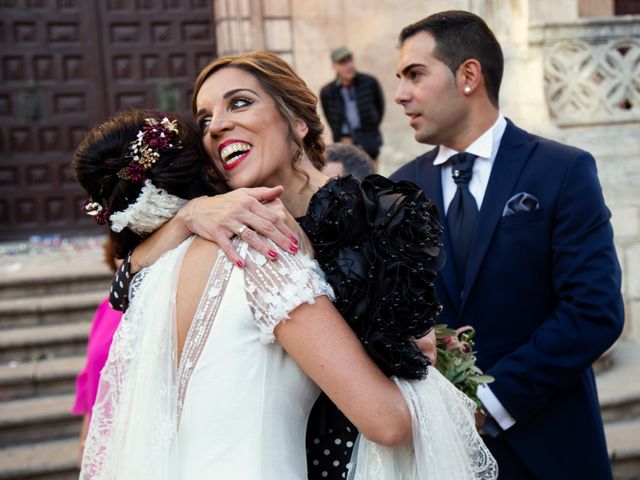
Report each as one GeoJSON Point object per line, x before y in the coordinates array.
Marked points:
{"type": "Point", "coordinates": [65, 65]}
{"type": "Point", "coordinates": [153, 50]}
{"type": "Point", "coordinates": [48, 96]}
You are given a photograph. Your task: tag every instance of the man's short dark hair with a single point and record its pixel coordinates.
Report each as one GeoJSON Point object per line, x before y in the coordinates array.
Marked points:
{"type": "Point", "coordinates": [459, 36]}
{"type": "Point", "coordinates": [354, 159]}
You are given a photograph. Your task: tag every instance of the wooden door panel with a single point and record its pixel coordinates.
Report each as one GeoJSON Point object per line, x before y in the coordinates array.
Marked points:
{"type": "Point", "coordinates": [153, 51]}
{"type": "Point", "coordinates": [47, 79]}
{"type": "Point", "coordinates": [65, 65]}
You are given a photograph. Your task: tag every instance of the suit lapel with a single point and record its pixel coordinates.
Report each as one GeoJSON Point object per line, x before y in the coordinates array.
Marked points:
{"type": "Point", "coordinates": [428, 178]}
{"type": "Point", "coordinates": [515, 149]}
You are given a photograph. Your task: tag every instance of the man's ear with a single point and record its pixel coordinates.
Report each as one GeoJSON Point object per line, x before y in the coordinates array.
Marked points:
{"type": "Point", "coordinates": [300, 128]}
{"type": "Point", "coordinates": [469, 76]}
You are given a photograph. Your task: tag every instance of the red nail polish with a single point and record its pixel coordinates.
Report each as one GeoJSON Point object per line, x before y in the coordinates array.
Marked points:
{"type": "Point", "coordinates": [272, 253]}
{"type": "Point", "coordinates": [294, 239]}
{"type": "Point", "coordinates": [293, 248]}
{"type": "Point", "coordinates": [240, 263]}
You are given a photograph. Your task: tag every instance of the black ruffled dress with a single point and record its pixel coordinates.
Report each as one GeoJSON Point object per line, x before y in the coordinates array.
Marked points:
{"type": "Point", "coordinates": [378, 243]}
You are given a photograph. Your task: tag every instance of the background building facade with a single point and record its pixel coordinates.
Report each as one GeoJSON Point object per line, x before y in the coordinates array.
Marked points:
{"type": "Point", "coordinates": [572, 73]}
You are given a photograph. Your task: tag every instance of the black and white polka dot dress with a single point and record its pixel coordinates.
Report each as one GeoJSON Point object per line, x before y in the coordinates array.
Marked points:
{"type": "Point", "coordinates": [119, 292]}
{"type": "Point", "coordinates": [330, 439]}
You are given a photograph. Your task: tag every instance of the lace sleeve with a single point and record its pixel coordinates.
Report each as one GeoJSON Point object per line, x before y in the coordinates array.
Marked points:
{"type": "Point", "coordinates": [276, 288]}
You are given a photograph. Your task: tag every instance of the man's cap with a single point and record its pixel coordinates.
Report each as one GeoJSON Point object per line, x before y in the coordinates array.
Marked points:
{"type": "Point", "coordinates": [340, 54]}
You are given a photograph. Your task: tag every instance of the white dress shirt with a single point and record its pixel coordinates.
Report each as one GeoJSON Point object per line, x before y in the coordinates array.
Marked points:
{"type": "Point", "coordinates": [486, 148]}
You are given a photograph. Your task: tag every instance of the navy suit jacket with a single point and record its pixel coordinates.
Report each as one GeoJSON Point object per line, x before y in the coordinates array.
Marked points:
{"type": "Point", "coordinates": [543, 291]}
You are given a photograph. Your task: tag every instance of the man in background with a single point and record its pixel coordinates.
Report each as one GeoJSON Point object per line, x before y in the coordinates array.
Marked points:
{"type": "Point", "coordinates": [353, 104]}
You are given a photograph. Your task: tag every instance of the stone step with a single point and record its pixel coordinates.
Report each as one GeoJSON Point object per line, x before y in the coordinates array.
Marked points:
{"type": "Point", "coordinates": [37, 420]}
{"type": "Point", "coordinates": [623, 441]}
{"type": "Point", "coordinates": [35, 283]}
{"type": "Point", "coordinates": [49, 309]}
{"type": "Point", "coordinates": [618, 387]}
{"type": "Point", "coordinates": [47, 341]}
{"type": "Point", "coordinates": [55, 460]}
{"type": "Point", "coordinates": [38, 379]}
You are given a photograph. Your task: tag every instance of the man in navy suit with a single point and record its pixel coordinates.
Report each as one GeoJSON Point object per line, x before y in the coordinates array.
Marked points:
{"type": "Point", "coordinates": [531, 260]}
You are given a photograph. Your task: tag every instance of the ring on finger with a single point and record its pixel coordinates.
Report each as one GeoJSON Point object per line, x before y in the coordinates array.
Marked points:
{"type": "Point", "coordinates": [241, 230]}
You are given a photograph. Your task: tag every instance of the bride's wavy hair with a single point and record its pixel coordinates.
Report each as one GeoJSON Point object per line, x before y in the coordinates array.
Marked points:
{"type": "Point", "coordinates": [291, 94]}
{"type": "Point", "coordinates": [185, 172]}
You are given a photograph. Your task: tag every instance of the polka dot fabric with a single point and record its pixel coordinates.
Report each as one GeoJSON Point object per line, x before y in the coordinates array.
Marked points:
{"type": "Point", "coordinates": [330, 440]}
{"type": "Point", "coordinates": [119, 292]}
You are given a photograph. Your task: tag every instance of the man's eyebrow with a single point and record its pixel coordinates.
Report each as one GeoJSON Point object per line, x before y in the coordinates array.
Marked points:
{"type": "Point", "coordinates": [406, 69]}
{"type": "Point", "coordinates": [236, 90]}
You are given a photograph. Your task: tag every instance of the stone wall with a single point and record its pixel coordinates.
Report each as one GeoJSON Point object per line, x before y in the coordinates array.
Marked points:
{"type": "Point", "coordinates": [568, 78]}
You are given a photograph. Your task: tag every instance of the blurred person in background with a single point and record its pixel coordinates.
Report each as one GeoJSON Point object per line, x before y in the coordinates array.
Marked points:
{"type": "Point", "coordinates": [353, 104]}
{"type": "Point", "coordinates": [343, 159]}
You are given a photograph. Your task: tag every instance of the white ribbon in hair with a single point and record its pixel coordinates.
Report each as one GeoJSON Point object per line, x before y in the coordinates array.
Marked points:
{"type": "Point", "coordinates": [152, 209]}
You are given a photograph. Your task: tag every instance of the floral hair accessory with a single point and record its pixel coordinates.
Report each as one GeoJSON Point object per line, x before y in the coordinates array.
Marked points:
{"type": "Point", "coordinates": [99, 213]}
{"type": "Point", "coordinates": [157, 135]}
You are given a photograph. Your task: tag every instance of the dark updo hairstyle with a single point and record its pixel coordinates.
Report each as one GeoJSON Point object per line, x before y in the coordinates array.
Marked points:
{"type": "Point", "coordinates": [185, 172]}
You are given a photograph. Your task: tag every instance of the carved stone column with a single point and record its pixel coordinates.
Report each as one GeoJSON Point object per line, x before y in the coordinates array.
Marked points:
{"type": "Point", "coordinates": [591, 70]}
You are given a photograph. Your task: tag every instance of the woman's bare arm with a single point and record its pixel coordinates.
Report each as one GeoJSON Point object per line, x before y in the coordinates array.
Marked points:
{"type": "Point", "coordinates": [218, 219]}
{"type": "Point", "coordinates": [325, 347]}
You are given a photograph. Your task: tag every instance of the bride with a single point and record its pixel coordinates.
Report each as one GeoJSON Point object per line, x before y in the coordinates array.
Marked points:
{"type": "Point", "coordinates": [214, 369]}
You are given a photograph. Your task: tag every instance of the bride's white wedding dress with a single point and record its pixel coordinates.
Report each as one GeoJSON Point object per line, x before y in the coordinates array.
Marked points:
{"type": "Point", "coordinates": [237, 405]}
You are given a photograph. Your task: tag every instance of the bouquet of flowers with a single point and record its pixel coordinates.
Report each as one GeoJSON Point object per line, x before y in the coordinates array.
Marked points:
{"type": "Point", "coordinates": [457, 360]}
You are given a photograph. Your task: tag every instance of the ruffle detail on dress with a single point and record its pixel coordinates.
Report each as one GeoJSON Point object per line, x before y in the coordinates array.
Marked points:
{"type": "Point", "coordinates": [378, 243]}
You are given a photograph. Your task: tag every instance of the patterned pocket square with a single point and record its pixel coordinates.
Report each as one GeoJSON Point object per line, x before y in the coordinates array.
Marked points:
{"type": "Point", "coordinates": [520, 202]}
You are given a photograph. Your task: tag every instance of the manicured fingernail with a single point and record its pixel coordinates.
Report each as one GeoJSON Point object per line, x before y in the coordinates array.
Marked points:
{"type": "Point", "coordinates": [240, 263]}
{"type": "Point", "coordinates": [293, 248]}
{"type": "Point", "coordinates": [294, 239]}
{"type": "Point", "coordinates": [272, 253]}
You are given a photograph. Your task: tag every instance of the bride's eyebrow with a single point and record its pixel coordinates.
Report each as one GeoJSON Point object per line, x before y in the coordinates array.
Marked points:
{"type": "Point", "coordinates": [236, 90]}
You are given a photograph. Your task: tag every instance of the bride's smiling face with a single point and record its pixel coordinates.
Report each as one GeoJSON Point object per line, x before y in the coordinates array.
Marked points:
{"type": "Point", "coordinates": [243, 131]}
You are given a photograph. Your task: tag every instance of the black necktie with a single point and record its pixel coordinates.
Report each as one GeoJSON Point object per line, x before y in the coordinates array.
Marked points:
{"type": "Point", "coordinates": [462, 213]}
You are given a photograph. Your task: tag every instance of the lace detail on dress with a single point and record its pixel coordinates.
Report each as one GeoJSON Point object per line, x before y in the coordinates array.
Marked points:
{"type": "Point", "coordinates": [133, 422]}
{"type": "Point", "coordinates": [136, 282]}
{"type": "Point", "coordinates": [274, 289]}
{"type": "Point", "coordinates": [202, 322]}
{"type": "Point", "coordinates": [446, 444]}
